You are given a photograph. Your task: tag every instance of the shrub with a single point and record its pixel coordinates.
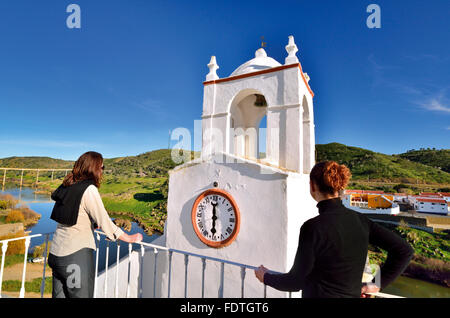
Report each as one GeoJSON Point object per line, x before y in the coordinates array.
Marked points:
{"type": "Point", "coordinates": [15, 216]}
{"type": "Point", "coordinates": [3, 205]}
{"type": "Point", "coordinates": [7, 201]}
{"type": "Point", "coordinates": [403, 225]}
{"type": "Point", "coordinates": [28, 213]}
{"type": "Point", "coordinates": [15, 247]}
{"type": "Point", "coordinates": [39, 250]}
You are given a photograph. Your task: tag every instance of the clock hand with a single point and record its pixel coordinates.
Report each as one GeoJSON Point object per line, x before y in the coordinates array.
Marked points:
{"type": "Point", "coordinates": [214, 218]}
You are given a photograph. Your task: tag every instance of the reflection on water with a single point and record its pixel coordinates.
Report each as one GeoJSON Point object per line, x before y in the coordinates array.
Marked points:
{"type": "Point", "coordinates": [42, 204]}
{"type": "Point", "coordinates": [414, 288]}
{"type": "Point", "coordinates": [27, 195]}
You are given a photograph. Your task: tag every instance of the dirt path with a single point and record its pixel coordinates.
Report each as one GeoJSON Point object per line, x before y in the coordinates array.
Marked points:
{"type": "Point", "coordinates": [34, 270]}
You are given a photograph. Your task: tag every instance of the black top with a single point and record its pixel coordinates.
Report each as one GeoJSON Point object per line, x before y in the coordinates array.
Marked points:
{"type": "Point", "coordinates": [332, 253]}
{"type": "Point", "coordinates": [67, 202]}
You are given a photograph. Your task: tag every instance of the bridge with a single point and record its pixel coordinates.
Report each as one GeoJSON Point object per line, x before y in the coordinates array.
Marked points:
{"type": "Point", "coordinates": [38, 170]}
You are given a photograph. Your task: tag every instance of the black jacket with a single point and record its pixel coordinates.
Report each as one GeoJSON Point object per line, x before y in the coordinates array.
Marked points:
{"type": "Point", "coordinates": [332, 253]}
{"type": "Point", "coordinates": [67, 202]}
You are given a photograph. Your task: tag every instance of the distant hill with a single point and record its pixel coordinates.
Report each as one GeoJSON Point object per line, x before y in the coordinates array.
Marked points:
{"type": "Point", "coordinates": [35, 162]}
{"type": "Point", "coordinates": [363, 163]}
{"type": "Point", "coordinates": [368, 164]}
{"type": "Point", "coordinates": [439, 159]}
{"type": "Point", "coordinates": [154, 164]}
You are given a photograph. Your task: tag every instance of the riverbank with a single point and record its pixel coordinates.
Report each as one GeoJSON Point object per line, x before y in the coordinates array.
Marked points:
{"type": "Point", "coordinates": [13, 216]}
{"type": "Point", "coordinates": [431, 261]}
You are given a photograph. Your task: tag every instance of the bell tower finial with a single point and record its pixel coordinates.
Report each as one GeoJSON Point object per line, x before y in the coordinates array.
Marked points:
{"type": "Point", "coordinates": [292, 49]}
{"type": "Point", "coordinates": [212, 75]}
{"type": "Point", "coordinates": [263, 44]}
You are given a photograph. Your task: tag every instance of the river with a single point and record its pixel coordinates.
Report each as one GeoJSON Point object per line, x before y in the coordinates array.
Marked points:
{"type": "Point", "coordinates": [42, 204]}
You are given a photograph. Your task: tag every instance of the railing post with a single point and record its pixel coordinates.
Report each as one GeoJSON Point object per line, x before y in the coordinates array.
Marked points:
{"type": "Point", "coordinates": [45, 265]}
{"type": "Point", "coordinates": [141, 269]}
{"type": "Point", "coordinates": [105, 286]}
{"type": "Point", "coordinates": [116, 289]}
{"type": "Point", "coordinates": [4, 179]}
{"type": "Point", "coordinates": [96, 265]}
{"type": "Point", "coordinates": [222, 273]}
{"type": "Point", "coordinates": [4, 248]}
{"type": "Point", "coordinates": [242, 281]}
{"type": "Point", "coordinates": [203, 276]}
{"type": "Point", "coordinates": [21, 180]}
{"type": "Point", "coordinates": [130, 245]}
{"type": "Point", "coordinates": [170, 274]}
{"type": "Point", "coordinates": [154, 272]}
{"type": "Point", "coordinates": [22, 288]}
{"type": "Point", "coordinates": [186, 262]}
{"type": "Point", "coordinates": [37, 177]}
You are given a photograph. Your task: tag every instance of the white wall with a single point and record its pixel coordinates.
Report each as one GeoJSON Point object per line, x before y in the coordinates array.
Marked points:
{"type": "Point", "coordinates": [430, 208]}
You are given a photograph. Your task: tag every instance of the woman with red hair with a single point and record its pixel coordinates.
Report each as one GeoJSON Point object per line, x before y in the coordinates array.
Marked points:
{"type": "Point", "coordinates": [79, 210]}
{"type": "Point", "coordinates": [333, 246]}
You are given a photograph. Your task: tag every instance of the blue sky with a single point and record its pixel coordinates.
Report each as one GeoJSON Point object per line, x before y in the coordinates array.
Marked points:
{"type": "Point", "coordinates": [135, 70]}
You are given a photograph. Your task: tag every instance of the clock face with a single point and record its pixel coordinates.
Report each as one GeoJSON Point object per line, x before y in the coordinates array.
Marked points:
{"type": "Point", "coordinates": [215, 218]}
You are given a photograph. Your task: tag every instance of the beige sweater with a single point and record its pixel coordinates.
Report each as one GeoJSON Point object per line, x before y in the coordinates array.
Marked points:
{"type": "Point", "coordinates": [70, 239]}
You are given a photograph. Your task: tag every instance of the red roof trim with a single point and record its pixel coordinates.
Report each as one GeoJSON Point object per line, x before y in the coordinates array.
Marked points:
{"type": "Point", "coordinates": [270, 70]}
{"type": "Point", "coordinates": [431, 200]}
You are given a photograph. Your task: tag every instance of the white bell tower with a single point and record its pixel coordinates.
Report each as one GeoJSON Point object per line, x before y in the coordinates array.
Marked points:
{"type": "Point", "coordinates": [234, 106]}
{"type": "Point", "coordinates": [269, 197]}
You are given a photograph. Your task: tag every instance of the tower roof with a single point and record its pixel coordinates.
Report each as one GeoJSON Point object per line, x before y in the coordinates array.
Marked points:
{"type": "Point", "coordinates": [259, 63]}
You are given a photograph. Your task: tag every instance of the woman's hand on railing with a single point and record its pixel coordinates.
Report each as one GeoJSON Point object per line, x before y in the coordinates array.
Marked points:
{"type": "Point", "coordinates": [135, 238]}
{"type": "Point", "coordinates": [260, 272]}
{"type": "Point", "coordinates": [369, 288]}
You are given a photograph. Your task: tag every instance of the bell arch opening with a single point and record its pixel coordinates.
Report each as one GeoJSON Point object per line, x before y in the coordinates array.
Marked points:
{"type": "Point", "coordinates": [247, 110]}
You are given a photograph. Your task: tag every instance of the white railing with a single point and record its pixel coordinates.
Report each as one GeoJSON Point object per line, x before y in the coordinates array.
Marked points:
{"type": "Point", "coordinates": [143, 246]}
{"type": "Point", "coordinates": [27, 245]}
{"type": "Point", "coordinates": [170, 251]}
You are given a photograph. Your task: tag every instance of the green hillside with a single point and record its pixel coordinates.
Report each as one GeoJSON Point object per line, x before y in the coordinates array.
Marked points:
{"type": "Point", "coordinates": [439, 159]}
{"type": "Point", "coordinates": [366, 164]}
{"type": "Point", "coordinates": [154, 164]}
{"type": "Point", "coordinates": [35, 162]}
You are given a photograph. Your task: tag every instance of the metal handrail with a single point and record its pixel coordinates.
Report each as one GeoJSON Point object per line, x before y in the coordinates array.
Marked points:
{"type": "Point", "coordinates": [187, 254]}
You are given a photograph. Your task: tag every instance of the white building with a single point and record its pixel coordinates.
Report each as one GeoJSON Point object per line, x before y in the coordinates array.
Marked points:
{"type": "Point", "coordinates": [431, 205]}
{"type": "Point", "coordinates": [362, 206]}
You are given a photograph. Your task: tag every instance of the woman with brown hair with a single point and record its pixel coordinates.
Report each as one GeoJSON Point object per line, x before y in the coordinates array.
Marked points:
{"type": "Point", "coordinates": [79, 210]}
{"type": "Point", "coordinates": [333, 246]}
